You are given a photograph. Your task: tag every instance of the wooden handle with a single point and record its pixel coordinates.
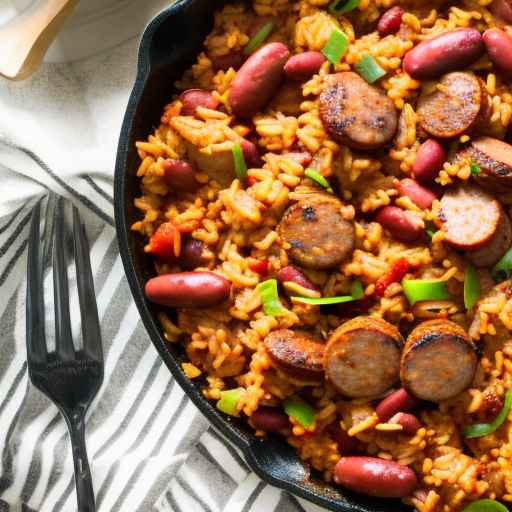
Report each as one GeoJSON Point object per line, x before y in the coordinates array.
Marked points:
{"type": "Point", "coordinates": [24, 41]}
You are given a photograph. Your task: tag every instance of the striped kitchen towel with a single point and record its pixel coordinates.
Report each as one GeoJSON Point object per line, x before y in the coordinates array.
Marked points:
{"type": "Point", "coordinates": [149, 447]}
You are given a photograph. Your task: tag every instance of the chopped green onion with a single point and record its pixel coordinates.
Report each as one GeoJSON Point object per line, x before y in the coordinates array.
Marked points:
{"type": "Point", "coordinates": [239, 160]}
{"type": "Point", "coordinates": [229, 400]}
{"type": "Point", "coordinates": [369, 69]}
{"type": "Point", "coordinates": [356, 290]}
{"type": "Point", "coordinates": [316, 176]}
{"type": "Point", "coordinates": [356, 293]}
{"type": "Point", "coordinates": [430, 233]}
{"type": "Point", "coordinates": [270, 298]}
{"type": "Point", "coordinates": [257, 40]}
{"type": "Point", "coordinates": [422, 289]}
{"type": "Point", "coordinates": [342, 6]}
{"type": "Point", "coordinates": [336, 46]}
{"type": "Point", "coordinates": [471, 287]}
{"type": "Point", "coordinates": [482, 429]}
{"type": "Point", "coordinates": [299, 410]}
{"type": "Point", "coordinates": [474, 168]}
{"type": "Point", "coordinates": [503, 269]}
{"type": "Point", "coordinates": [486, 506]}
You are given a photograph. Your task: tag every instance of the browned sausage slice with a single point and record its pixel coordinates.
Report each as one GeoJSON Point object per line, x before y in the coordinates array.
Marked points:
{"type": "Point", "coordinates": [494, 157]}
{"type": "Point", "coordinates": [356, 113]}
{"type": "Point", "coordinates": [469, 217]}
{"type": "Point", "coordinates": [362, 357]}
{"type": "Point", "coordinates": [318, 235]}
{"type": "Point", "coordinates": [296, 354]}
{"type": "Point", "coordinates": [439, 361]}
{"type": "Point", "coordinates": [497, 246]}
{"type": "Point", "coordinates": [459, 104]}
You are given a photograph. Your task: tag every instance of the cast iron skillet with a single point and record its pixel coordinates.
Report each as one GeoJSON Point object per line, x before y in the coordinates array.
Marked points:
{"type": "Point", "coordinates": [169, 46]}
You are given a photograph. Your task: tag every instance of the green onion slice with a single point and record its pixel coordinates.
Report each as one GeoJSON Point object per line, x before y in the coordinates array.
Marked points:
{"type": "Point", "coordinates": [336, 46]}
{"type": "Point", "coordinates": [485, 506]}
{"type": "Point", "coordinates": [342, 6]}
{"type": "Point", "coordinates": [474, 168]}
{"type": "Point", "coordinates": [299, 410]}
{"type": "Point", "coordinates": [471, 287]}
{"type": "Point", "coordinates": [356, 293]}
{"type": "Point", "coordinates": [369, 69]}
{"type": "Point", "coordinates": [422, 289]}
{"type": "Point", "coordinates": [239, 160]}
{"type": "Point", "coordinates": [257, 40]}
{"type": "Point", "coordinates": [430, 233]}
{"type": "Point", "coordinates": [229, 400]}
{"type": "Point", "coordinates": [503, 269]}
{"type": "Point", "coordinates": [482, 429]}
{"type": "Point", "coordinates": [270, 298]}
{"type": "Point", "coordinates": [318, 178]}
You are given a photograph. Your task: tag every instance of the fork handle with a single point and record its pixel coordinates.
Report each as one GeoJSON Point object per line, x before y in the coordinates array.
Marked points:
{"type": "Point", "coordinates": [83, 480]}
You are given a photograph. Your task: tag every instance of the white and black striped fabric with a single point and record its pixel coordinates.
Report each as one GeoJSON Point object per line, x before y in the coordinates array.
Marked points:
{"type": "Point", "coordinates": [149, 447]}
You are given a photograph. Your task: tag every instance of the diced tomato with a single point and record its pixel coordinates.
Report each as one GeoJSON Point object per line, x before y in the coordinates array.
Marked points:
{"type": "Point", "coordinates": [395, 275]}
{"type": "Point", "coordinates": [260, 267]}
{"type": "Point", "coordinates": [161, 244]}
{"type": "Point", "coordinates": [251, 180]}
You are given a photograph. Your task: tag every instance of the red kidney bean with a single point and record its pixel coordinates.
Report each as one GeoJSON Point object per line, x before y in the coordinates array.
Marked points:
{"type": "Point", "coordinates": [269, 419]}
{"type": "Point", "coordinates": [397, 401]}
{"type": "Point", "coordinates": [402, 225]}
{"type": "Point", "coordinates": [258, 79]}
{"type": "Point", "coordinates": [420, 196]}
{"type": "Point", "coordinates": [390, 21]}
{"type": "Point", "coordinates": [499, 47]}
{"type": "Point", "coordinates": [409, 422]}
{"type": "Point", "coordinates": [193, 254]}
{"type": "Point", "coordinates": [375, 477]}
{"type": "Point", "coordinates": [446, 52]}
{"type": "Point", "coordinates": [502, 9]}
{"type": "Point", "coordinates": [290, 273]}
{"type": "Point", "coordinates": [429, 161]}
{"type": "Point", "coordinates": [251, 154]}
{"type": "Point", "coordinates": [303, 65]}
{"type": "Point", "coordinates": [180, 175]}
{"type": "Point", "coordinates": [346, 444]}
{"type": "Point", "coordinates": [188, 289]}
{"type": "Point", "coordinates": [232, 59]}
{"type": "Point", "coordinates": [193, 98]}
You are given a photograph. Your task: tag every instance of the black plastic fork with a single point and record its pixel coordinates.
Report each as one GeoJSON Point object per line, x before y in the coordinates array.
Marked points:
{"type": "Point", "coordinates": [70, 378]}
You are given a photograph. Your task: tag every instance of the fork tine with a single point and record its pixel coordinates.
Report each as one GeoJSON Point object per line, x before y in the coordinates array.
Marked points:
{"type": "Point", "coordinates": [63, 336]}
{"type": "Point", "coordinates": [36, 346]}
{"type": "Point", "coordinates": [91, 331]}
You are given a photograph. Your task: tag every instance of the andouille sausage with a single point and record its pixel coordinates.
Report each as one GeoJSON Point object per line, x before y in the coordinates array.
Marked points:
{"type": "Point", "coordinates": [446, 52]}
{"type": "Point", "coordinates": [297, 354]}
{"type": "Point", "coordinates": [188, 289]}
{"type": "Point", "coordinates": [257, 80]}
{"type": "Point", "coordinates": [362, 357]}
{"type": "Point", "coordinates": [375, 477]}
{"type": "Point", "coordinates": [356, 113]}
{"type": "Point", "coordinates": [439, 361]}
{"type": "Point", "coordinates": [461, 104]}
{"type": "Point", "coordinates": [494, 157]}
{"type": "Point", "coordinates": [318, 235]}
{"type": "Point", "coordinates": [469, 217]}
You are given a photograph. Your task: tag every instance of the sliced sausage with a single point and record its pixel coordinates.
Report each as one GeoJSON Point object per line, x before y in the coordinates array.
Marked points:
{"type": "Point", "coordinates": [296, 354]}
{"type": "Point", "coordinates": [257, 80]}
{"type": "Point", "coordinates": [318, 235]}
{"type": "Point", "coordinates": [494, 157]}
{"type": "Point", "coordinates": [397, 401]}
{"type": "Point", "coordinates": [446, 52]}
{"type": "Point", "coordinates": [193, 98]}
{"type": "Point", "coordinates": [356, 113]}
{"type": "Point", "coordinates": [375, 477]}
{"type": "Point", "coordinates": [188, 289]}
{"type": "Point", "coordinates": [460, 105]}
{"type": "Point", "coordinates": [439, 361]}
{"type": "Point", "coordinates": [497, 246]}
{"type": "Point", "coordinates": [469, 217]}
{"type": "Point", "coordinates": [362, 357]}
